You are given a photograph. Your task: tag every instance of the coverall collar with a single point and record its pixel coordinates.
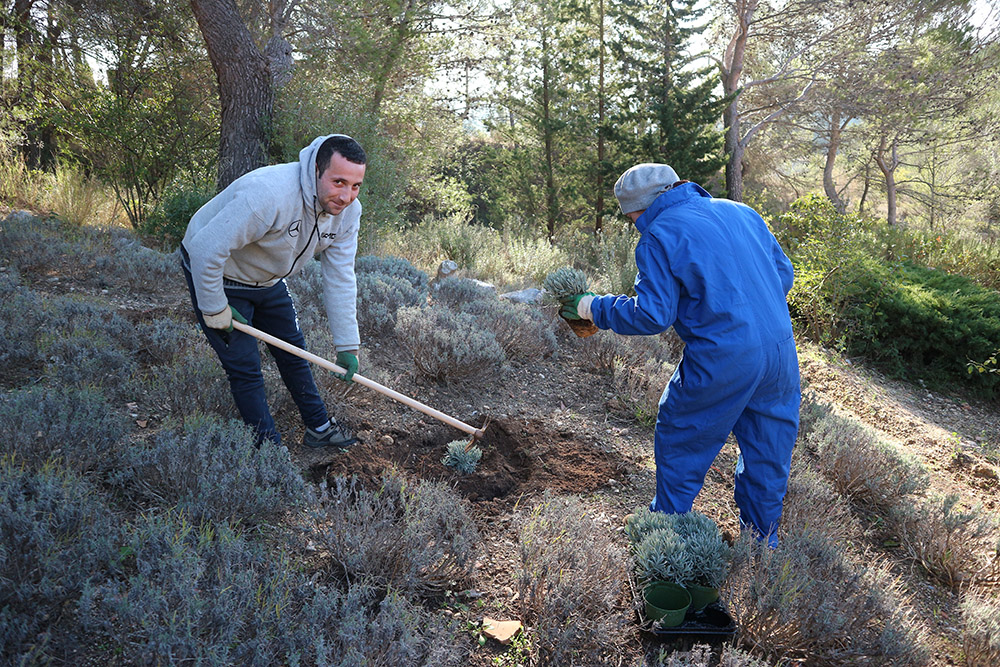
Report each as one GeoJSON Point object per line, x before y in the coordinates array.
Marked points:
{"type": "Point", "coordinates": [673, 196]}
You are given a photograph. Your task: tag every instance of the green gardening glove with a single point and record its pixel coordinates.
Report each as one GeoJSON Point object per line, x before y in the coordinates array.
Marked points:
{"type": "Point", "coordinates": [236, 316]}
{"type": "Point", "coordinates": [349, 362]}
{"type": "Point", "coordinates": [571, 305]}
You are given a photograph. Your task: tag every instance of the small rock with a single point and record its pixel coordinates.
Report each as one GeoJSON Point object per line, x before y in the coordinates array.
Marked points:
{"type": "Point", "coordinates": [447, 268]}
{"type": "Point", "coordinates": [984, 472]}
{"type": "Point", "coordinates": [502, 631]}
{"type": "Point", "coordinates": [531, 295]}
{"type": "Point", "coordinates": [507, 591]}
{"type": "Point", "coordinates": [386, 441]}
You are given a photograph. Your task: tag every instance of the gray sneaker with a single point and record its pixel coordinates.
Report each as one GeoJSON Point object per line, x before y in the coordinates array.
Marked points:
{"type": "Point", "coordinates": [335, 436]}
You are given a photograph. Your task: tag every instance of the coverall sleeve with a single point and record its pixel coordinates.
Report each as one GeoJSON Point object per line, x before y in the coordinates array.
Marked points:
{"type": "Point", "coordinates": [239, 223]}
{"type": "Point", "coordinates": [653, 309]}
{"type": "Point", "coordinates": [340, 290]}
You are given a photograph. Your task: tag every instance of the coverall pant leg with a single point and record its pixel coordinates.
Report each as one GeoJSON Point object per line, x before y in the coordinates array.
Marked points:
{"type": "Point", "coordinates": [271, 310]}
{"type": "Point", "coordinates": [766, 433]}
{"type": "Point", "coordinates": [705, 400]}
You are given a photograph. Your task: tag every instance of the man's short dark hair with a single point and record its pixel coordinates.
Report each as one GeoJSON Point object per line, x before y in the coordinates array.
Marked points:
{"type": "Point", "coordinates": [350, 149]}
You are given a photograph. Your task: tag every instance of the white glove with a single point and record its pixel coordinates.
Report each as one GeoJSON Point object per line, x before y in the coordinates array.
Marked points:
{"type": "Point", "coordinates": [583, 308]}
{"type": "Point", "coordinates": [221, 320]}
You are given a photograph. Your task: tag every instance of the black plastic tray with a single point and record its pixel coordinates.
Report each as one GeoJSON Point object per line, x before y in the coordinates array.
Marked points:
{"type": "Point", "coordinates": [712, 622]}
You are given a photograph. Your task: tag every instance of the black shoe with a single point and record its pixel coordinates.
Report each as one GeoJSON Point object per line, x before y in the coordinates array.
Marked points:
{"type": "Point", "coordinates": [335, 436]}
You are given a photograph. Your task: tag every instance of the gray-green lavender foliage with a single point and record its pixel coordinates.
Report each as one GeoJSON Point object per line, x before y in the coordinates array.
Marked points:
{"type": "Point", "coordinates": [565, 282]}
{"type": "Point", "coordinates": [642, 522]}
{"type": "Point", "coordinates": [76, 426]}
{"type": "Point", "coordinates": [211, 469]}
{"type": "Point", "coordinates": [461, 459]}
{"type": "Point", "coordinates": [448, 346]}
{"type": "Point", "coordinates": [663, 556]}
{"type": "Point", "coordinates": [416, 538]}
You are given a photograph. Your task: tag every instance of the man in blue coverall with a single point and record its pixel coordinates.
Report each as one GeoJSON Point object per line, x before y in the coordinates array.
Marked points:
{"type": "Point", "coordinates": [711, 269]}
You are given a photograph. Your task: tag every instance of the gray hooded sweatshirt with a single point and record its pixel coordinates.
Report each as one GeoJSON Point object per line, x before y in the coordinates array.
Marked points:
{"type": "Point", "coordinates": [264, 227]}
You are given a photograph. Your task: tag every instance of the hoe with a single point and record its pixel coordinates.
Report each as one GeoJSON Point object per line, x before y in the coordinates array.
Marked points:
{"type": "Point", "coordinates": [476, 433]}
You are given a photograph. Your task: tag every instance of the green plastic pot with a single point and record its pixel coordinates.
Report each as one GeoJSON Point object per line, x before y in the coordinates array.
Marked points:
{"type": "Point", "coordinates": [666, 603]}
{"type": "Point", "coordinates": [702, 596]}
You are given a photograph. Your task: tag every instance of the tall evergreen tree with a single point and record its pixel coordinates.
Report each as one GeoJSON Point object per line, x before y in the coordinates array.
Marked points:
{"type": "Point", "coordinates": [670, 110]}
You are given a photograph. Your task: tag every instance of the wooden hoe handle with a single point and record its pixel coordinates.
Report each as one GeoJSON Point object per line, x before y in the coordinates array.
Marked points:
{"type": "Point", "coordinates": [360, 379]}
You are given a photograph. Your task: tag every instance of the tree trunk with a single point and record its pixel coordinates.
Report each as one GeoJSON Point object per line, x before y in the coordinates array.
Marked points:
{"type": "Point", "coordinates": [731, 73]}
{"type": "Point", "coordinates": [888, 167]}
{"type": "Point", "coordinates": [599, 219]}
{"type": "Point", "coordinates": [23, 43]}
{"type": "Point", "coordinates": [832, 146]}
{"type": "Point", "coordinates": [547, 132]}
{"type": "Point", "coordinates": [245, 88]}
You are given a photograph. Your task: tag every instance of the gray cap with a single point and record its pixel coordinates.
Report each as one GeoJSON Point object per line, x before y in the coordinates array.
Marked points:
{"type": "Point", "coordinates": [640, 185]}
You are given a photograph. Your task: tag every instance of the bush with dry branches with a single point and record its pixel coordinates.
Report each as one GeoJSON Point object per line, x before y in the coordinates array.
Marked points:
{"type": "Point", "coordinates": [570, 582]}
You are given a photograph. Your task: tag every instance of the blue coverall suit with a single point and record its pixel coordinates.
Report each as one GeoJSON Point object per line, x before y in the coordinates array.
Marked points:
{"type": "Point", "coordinates": [712, 269]}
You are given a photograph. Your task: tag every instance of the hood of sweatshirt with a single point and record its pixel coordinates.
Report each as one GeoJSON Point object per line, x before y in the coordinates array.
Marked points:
{"type": "Point", "coordinates": [307, 171]}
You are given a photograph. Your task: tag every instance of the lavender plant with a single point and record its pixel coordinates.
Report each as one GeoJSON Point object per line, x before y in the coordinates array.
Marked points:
{"type": "Point", "coordinates": [663, 556]}
{"type": "Point", "coordinates": [566, 282]}
{"type": "Point", "coordinates": [462, 459]}
{"type": "Point", "coordinates": [642, 522]}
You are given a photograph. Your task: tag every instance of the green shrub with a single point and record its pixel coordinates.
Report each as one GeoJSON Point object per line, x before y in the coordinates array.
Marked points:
{"type": "Point", "coordinates": [211, 469]}
{"type": "Point", "coordinates": [932, 324]}
{"type": "Point", "coordinates": [448, 346]}
{"type": "Point", "coordinates": [169, 219]}
{"type": "Point", "coordinates": [415, 538]}
{"type": "Point", "coordinates": [858, 285]}
{"type": "Point", "coordinates": [76, 426]}
{"type": "Point", "coordinates": [56, 539]}
{"type": "Point", "coordinates": [569, 580]}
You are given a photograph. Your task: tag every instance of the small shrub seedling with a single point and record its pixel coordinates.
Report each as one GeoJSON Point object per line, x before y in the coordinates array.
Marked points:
{"type": "Point", "coordinates": [461, 459]}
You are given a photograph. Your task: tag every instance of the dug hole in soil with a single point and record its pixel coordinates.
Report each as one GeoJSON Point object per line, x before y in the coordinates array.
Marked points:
{"type": "Point", "coordinates": [519, 458]}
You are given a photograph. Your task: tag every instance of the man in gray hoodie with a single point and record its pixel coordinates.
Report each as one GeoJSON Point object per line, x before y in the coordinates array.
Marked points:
{"type": "Point", "coordinates": [237, 252]}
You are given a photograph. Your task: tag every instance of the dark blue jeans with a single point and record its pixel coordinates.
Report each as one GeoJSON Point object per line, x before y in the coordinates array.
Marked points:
{"type": "Point", "coordinates": [269, 309]}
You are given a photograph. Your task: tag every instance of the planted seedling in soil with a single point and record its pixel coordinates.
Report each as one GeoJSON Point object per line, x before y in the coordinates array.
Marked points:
{"type": "Point", "coordinates": [461, 459]}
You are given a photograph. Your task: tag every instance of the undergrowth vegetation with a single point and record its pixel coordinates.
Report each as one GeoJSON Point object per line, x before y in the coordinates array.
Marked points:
{"type": "Point", "coordinates": [920, 306]}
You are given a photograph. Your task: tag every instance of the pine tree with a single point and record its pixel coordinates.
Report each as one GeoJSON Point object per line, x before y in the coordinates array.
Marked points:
{"type": "Point", "coordinates": [670, 111]}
